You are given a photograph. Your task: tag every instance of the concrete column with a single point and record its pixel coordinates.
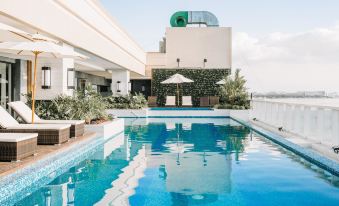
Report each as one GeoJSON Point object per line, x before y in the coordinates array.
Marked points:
{"type": "Point", "coordinates": [121, 77]}
{"type": "Point", "coordinates": [58, 78]}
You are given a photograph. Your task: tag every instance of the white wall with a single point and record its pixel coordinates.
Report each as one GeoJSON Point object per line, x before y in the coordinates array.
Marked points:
{"type": "Point", "coordinates": [58, 78]}
{"type": "Point", "coordinates": [82, 24]}
{"type": "Point", "coordinates": [124, 77]}
{"type": "Point", "coordinates": [194, 44]}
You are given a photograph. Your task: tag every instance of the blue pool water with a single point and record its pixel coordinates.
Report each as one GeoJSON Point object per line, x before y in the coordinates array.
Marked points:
{"type": "Point", "coordinates": [185, 162]}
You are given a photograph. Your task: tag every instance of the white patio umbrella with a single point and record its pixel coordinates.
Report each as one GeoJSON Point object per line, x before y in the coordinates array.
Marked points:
{"type": "Point", "coordinates": [42, 47]}
{"type": "Point", "coordinates": [177, 79]}
{"type": "Point", "coordinates": [221, 82]}
{"type": "Point", "coordinates": [8, 33]}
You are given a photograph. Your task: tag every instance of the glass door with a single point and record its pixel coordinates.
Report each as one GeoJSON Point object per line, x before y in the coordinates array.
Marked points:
{"type": "Point", "coordinates": [5, 84]}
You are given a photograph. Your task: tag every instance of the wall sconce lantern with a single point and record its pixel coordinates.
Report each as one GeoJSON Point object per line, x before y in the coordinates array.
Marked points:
{"type": "Point", "coordinates": [178, 61]}
{"type": "Point", "coordinates": [118, 86]}
{"type": "Point", "coordinates": [129, 86]}
{"type": "Point", "coordinates": [46, 78]}
{"type": "Point", "coordinates": [70, 78]}
{"type": "Point", "coordinates": [205, 60]}
{"type": "Point", "coordinates": [143, 88]}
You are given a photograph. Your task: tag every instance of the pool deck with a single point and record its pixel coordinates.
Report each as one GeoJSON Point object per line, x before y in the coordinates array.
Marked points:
{"type": "Point", "coordinates": [43, 151]}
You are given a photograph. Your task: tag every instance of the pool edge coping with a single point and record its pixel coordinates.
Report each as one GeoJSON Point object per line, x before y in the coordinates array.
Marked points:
{"type": "Point", "coordinates": [308, 154]}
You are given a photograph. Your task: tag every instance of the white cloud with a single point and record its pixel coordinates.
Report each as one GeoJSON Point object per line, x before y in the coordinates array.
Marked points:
{"type": "Point", "coordinates": [289, 61]}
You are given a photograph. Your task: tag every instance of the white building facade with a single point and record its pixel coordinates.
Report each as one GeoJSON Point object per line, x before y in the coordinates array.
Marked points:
{"type": "Point", "coordinates": [84, 26]}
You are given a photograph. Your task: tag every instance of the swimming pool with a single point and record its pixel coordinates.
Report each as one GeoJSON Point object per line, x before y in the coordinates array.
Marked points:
{"type": "Point", "coordinates": [197, 161]}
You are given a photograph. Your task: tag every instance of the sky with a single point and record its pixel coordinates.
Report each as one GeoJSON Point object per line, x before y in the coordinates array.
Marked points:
{"type": "Point", "coordinates": [280, 45]}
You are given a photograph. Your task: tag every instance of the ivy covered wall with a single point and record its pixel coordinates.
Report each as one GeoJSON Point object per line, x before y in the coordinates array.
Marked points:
{"type": "Point", "coordinates": [203, 85]}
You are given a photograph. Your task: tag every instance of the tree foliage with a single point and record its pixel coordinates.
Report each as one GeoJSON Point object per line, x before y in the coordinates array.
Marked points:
{"type": "Point", "coordinates": [234, 94]}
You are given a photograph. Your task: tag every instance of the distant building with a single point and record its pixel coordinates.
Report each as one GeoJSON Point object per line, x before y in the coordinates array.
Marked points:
{"type": "Point", "coordinates": [196, 45]}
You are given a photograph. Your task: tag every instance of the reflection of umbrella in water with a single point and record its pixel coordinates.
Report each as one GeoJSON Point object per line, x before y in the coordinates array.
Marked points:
{"type": "Point", "coordinates": [38, 46]}
{"type": "Point", "coordinates": [177, 79]}
{"type": "Point", "coordinates": [3, 81]}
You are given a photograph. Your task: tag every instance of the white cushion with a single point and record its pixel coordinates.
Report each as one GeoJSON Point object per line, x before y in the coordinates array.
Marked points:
{"type": "Point", "coordinates": [16, 137]}
{"type": "Point", "coordinates": [187, 100]}
{"type": "Point", "coordinates": [40, 126]}
{"type": "Point", "coordinates": [6, 120]}
{"type": "Point", "coordinates": [72, 122]}
{"type": "Point", "coordinates": [170, 100]}
{"type": "Point", "coordinates": [23, 111]}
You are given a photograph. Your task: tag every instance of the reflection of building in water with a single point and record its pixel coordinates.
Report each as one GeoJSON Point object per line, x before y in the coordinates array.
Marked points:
{"type": "Point", "coordinates": [123, 187]}
{"type": "Point", "coordinates": [192, 161]}
{"type": "Point", "coordinates": [86, 183]}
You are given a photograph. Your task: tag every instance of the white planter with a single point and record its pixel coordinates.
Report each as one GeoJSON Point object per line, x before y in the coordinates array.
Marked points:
{"type": "Point", "coordinates": [107, 129]}
{"type": "Point", "coordinates": [128, 112]}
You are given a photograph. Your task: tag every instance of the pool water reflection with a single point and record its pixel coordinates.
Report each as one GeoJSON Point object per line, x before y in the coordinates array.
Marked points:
{"type": "Point", "coordinates": [190, 162]}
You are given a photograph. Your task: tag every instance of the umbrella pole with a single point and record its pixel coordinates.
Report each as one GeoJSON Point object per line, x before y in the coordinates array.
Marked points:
{"type": "Point", "coordinates": [34, 85]}
{"type": "Point", "coordinates": [177, 94]}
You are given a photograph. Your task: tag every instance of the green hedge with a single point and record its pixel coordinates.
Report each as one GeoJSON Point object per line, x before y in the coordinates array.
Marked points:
{"type": "Point", "coordinates": [203, 85]}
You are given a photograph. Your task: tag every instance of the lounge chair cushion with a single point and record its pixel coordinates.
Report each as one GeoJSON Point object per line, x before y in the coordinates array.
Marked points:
{"type": "Point", "coordinates": [6, 120]}
{"type": "Point", "coordinates": [23, 111]}
{"type": "Point", "coordinates": [26, 114]}
{"type": "Point", "coordinates": [16, 137]}
{"type": "Point", "coordinates": [73, 122]}
{"type": "Point", "coordinates": [170, 100]}
{"type": "Point", "coordinates": [187, 101]}
{"type": "Point", "coordinates": [40, 126]}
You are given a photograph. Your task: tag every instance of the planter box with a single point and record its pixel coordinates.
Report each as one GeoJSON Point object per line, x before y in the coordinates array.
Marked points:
{"type": "Point", "coordinates": [106, 129]}
{"type": "Point", "coordinates": [128, 112]}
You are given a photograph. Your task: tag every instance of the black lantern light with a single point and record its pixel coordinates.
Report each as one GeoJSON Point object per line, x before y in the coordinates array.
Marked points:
{"type": "Point", "coordinates": [70, 78]}
{"type": "Point", "coordinates": [46, 78]}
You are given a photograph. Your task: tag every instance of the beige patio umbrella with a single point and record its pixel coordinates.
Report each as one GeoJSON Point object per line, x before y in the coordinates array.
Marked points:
{"type": "Point", "coordinates": [8, 33]}
{"type": "Point", "coordinates": [39, 46]}
{"type": "Point", "coordinates": [177, 79]}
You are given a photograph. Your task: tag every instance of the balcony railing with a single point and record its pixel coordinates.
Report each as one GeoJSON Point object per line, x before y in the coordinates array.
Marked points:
{"type": "Point", "coordinates": [317, 123]}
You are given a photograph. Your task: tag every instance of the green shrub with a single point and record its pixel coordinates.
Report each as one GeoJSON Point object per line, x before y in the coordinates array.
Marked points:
{"type": "Point", "coordinates": [126, 102]}
{"type": "Point", "coordinates": [233, 94]}
{"type": "Point", "coordinates": [87, 105]}
{"type": "Point", "coordinates": [204, 83]}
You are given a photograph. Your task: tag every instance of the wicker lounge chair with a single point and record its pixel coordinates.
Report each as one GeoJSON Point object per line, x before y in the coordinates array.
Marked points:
{"type": "Point", "coordinates": [47, 133]}
{"type": "Point", "coordinates": [186, 101]}
{"type": "Point", "coordinates": [170, 101]}
{"type": "Point", "coordinates": [214, 100]}
{"type": "Point", "coordinates": [152, 101]}
{"type": "Point", "coordinates": [204, 102]}
{"type": "Point", "coordinates": [16, 146]}
{"type": "Point", "coordinates": [77, 126]}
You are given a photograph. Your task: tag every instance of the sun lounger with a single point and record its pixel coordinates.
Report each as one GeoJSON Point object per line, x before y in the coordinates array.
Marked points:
{"type": "Point", "coordinates": [77, 126]}
{"type": "Point", "coordinates": [186, 101]}
{"type": "Point", "coordinates": [152, 101]}
{"type": "Point", "coordinates": [214, 100]}
{"type": "Point", "coordinates": [204, 102]}
{"type": "Point", "coordinates": [47, 133]}
{"type": "Point", "coordinates": [16, 146]}
{"type": "Point", "coordinates": [170, 101]}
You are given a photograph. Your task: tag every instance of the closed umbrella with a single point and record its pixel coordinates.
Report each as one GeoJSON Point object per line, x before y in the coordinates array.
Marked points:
{"type": "Point", "coordinates": [42, 47]}
{"type": "Point", "coordinates": [177, 79]}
